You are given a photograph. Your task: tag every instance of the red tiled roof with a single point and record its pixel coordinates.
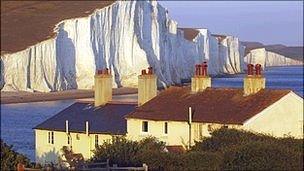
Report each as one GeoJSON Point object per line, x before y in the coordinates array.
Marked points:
{"type": "Point", "coordinates": [214, 105]}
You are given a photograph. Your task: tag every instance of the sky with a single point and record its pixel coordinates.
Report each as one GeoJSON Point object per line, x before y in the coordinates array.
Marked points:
{"type": "Point", "coordinates": [268, 22]}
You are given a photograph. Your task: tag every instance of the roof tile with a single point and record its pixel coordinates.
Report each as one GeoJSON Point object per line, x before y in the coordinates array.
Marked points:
{"type": "Point", "coordinates": [106, 119]}
{"type": "Point", "coordinates": [214, 105]}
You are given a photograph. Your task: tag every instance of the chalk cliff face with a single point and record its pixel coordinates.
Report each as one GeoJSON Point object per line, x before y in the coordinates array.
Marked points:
{"type": "Point", "coordinates": [125, 37]}
{"type": "Point", "coordinates": [267, 58]}
{"type": "Point", "coordinates": [224, 55]}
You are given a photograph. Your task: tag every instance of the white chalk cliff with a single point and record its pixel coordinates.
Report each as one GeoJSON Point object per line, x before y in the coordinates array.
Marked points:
{"type": "Point", "coordinates": [267, 58]}
{"type": "Point", "coordinates": [126, 37]}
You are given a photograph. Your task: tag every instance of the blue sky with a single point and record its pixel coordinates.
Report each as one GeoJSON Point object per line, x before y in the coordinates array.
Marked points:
{"type": "Point", "coordinates": [268, 22]}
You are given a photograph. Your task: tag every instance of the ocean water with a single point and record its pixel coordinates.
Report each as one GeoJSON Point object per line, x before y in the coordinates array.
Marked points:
{"type": "Point", "coordinates": [290, 77]}
{"type": "Point", "coordinates": [17, 120]}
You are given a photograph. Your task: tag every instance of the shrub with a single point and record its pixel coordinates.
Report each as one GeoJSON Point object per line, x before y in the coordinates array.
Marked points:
{"type": "Point", "coordinates": [224, 138]}
{"type": "Point", "coordinates": [10, 158]}
{"type": "Point", "coordinates": [201, 161]}
{"type": "Point", "coordinates": [262, 156]}
{"type": "Point", "coordinates": [226, 149]}
{"type": "Point", "coordinates": [242, 150]}
{"type": "Point", "coordinates": [120, 151]}
{"type": "Point", "coordinates": [151, 152]}
{"type": "Point", "coordinates": [129, 153]}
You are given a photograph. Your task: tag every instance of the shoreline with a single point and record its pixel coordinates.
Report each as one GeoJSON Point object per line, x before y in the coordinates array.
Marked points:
{"type": "Point", "coordinates": [10, 97]}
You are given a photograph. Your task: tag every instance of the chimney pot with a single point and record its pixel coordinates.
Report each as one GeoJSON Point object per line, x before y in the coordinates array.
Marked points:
{"type": "Point", "coordinates": [143, 72]}
{"type": "Point", "coordinates": [250, 69]}
{"type": "Point", "coordinates": [150, 70]}
{"type": "Point", "coordinates": [196, 70]}
{"type": "Point", "coordinates": [200, 69]}
{"type": "Point", "coordinates": [204, 69]}
{"type": "Point", "coordinates": [99, 71]}
{"type": "Point", "coordinates": [258, 68]}
{"type": "Point", "coordinates": [106, 71]}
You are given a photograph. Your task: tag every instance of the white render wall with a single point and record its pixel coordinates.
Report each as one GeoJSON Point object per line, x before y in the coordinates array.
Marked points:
{"type": "Point", "coordinates": [126, 37]}
{"type": "Point", "coordinates": [283, 118]}
{"type": "Point", "coordinates": [47, 153]}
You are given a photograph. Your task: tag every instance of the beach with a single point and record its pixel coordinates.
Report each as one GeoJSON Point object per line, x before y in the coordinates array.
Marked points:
{"type": "Point", "coordinates": [8, 97]}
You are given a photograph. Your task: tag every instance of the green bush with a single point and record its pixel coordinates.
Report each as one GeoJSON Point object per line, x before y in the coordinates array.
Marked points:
{"type": "Point", "coordinates": [262, 156]}
{"type": "Point", "coordinates": [120, 151]}
{"type": "Point", "coordinates": [201, 161]}
{"type": "Point", "coordinates": [10, 158]}
{"type": "Point", "coordinates": [224, 138]}
{"type": "Point", "coordinates": [151, 152]}
{"type": "Point", "coordinates": [227, 138]}
{"type": "Point", "coordinates": [242, 150]}
{"type": "Point", "coordinates": [129, 153]}
{"type": "Point", "coordinates": [225, 149]}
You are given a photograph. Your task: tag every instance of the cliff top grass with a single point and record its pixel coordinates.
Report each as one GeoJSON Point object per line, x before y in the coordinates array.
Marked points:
{"type": "Point", "coordinates": [25, 23]}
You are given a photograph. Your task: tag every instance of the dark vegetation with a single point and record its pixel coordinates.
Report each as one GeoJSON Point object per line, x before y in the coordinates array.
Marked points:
{"type": "Point", "coordinates": [10, 158]}
{"type": "Point", "coordinates": [242, 150]}
{"type": "Point", "coordinates": [226, 149]}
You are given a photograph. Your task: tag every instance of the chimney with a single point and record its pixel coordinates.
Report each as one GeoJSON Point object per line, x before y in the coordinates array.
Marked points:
{"type": "Point", "coordinates": [201, 80]}
{"type": "Point", "coordinates": [87, 127]}
{"type": "Point", "coordinates": [254, 81]}
{"type": "Point", "coordinates": [103, 87]}
{"type": "Point", "coordinates": [190, 115]}
{"type": "Point", "coordinates": [147, 86]}
{"type": "Point", "coordinates": [67, 126]}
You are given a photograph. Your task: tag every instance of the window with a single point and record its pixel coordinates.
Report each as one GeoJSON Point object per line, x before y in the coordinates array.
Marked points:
{"type": "Point", "coordinates": [51, 137]}
{"type": "Point", "coordinates": [144, 126]}
{"type": "Point", "coordinates": [96, 140]}
{"type": "Point", "coordinates": [225, 126]}
{"type": "Point", "coordinates": [166, 128]}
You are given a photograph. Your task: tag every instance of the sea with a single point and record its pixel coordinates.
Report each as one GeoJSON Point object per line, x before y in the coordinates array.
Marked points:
{"type": "Point", "coordinates": [17, 120]}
